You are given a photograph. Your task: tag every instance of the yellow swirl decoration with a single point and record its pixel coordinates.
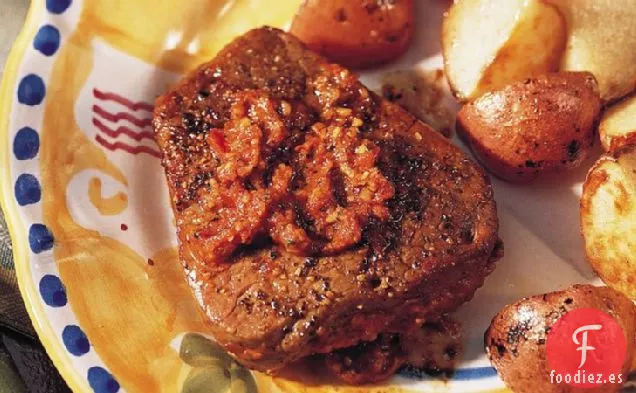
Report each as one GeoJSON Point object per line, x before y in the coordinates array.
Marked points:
{"type": "Point", "coordinates": [129, 308]}
{"type": "Point", "coordinates": [106, 206]}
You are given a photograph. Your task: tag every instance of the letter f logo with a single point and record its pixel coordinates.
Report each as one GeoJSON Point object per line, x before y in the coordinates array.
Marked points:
{"type": "Point", "coordinates": [583, 344]}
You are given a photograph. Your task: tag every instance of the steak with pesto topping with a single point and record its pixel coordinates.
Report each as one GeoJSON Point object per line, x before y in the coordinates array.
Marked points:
{"type": "Point", "coordinates": [313, 215]}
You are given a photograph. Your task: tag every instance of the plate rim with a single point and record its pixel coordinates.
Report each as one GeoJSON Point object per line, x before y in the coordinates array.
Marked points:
{"type": "Point", "coordinates": [15, 225]}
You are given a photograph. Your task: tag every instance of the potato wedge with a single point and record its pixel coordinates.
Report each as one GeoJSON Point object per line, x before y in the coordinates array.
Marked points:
{"type": "Point", "coordinates": [618, 125]}
{"type": "Point", "coordinates": [537, 126]}
{"type": "Point", "coordinates": [515, 341]}
{"type": "Point", "coordinates": [488, 44]}
{"type": "Point", "coordinates": [602, 40]}
{"type": "Point", "coordinates": [608, 218]}
{"type": "Point", "coordinates": [356, 33]}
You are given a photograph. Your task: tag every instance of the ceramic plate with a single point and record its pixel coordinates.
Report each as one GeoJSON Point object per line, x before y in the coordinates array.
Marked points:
{"type": "Point", "coordinates": [93, 235]}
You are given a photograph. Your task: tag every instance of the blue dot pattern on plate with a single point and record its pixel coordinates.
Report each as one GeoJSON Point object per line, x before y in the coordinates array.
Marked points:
{"type": "Point", "coordinates": [27, 190]}
{"type": "Point", "coordinates": [52, 291]}
{"type": "Point", "coordinates": [102, 381]}
{"type": "Point", "coordinates": [31, 90]}
{"type": "Point", "coordinates": [26, 143]}
{"type": "Point", "coordinates": [57, 6]}
{"type": "Point", "coordinates": [75, 340]}
{"type": "Point", "coordinates": [47, 40]}
{"type": "Point", "coordinates": [40, 238]}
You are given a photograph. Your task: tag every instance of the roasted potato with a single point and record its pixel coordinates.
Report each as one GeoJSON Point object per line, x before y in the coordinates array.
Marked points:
{"type": "Point", "coordinates": [423, 94]}
{"type": "Point", "coordinates": [515, 341]}
{"type": "Point", "coordinates": [540, 125]}
{"type": "Point", "coordinates": [608, 218]}
{"type": "Point", "coordinates": [602, 40]}
{"type": "Point", "coordinates": [356, 33]}
{"type": "Point", "coordinates": [488, 44]}
{"type": "Point", "coordinates": [618, 125]}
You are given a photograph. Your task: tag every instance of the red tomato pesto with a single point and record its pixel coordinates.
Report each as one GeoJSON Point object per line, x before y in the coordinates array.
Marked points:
{"type": "Point", "coordinates": [316, 202]}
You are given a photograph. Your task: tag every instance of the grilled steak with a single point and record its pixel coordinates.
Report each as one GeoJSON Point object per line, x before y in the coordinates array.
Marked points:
{"type": "Point", "coordinates": [311, 214]}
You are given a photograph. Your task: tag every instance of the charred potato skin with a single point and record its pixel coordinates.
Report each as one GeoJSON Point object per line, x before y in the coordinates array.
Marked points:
{"type": "Point", "coordinates": [609, 253]}
{"type": "Point", "coordinates": [622, 141]}
{"type": "Point", "coordinates": [356, 33]}
{"type": "Point", "coordinates": [541, 125]}
{"type": "Point", "coordinates": [515, 342]}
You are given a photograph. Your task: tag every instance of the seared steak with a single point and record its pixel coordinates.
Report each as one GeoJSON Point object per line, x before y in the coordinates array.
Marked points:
{"type": "Point", "coordinates": [312, 214]}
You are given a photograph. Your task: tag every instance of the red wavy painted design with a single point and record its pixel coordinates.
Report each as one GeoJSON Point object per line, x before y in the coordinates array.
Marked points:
{"type": "Point", "coordinates": [127, 148]}
{"type": "Point", "coordinates": [135, 106]}
{"type": "Point", "coordinates": [115, 117]}
{"type": "Point", "coordinates": [136, 135]}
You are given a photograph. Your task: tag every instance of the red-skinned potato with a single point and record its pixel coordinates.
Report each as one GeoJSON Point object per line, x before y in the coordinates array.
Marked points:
{"type": "Point", "coordinates": [356, 33]}
{"type": "Point", "coordinates": [515, 342]}
{"type": "Point", "coordinates": [541, 125]}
